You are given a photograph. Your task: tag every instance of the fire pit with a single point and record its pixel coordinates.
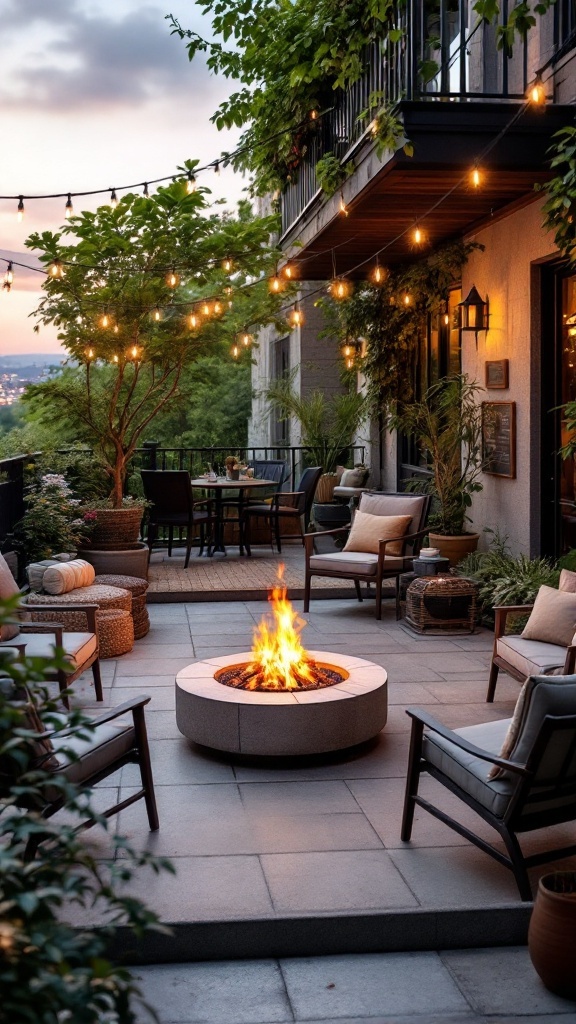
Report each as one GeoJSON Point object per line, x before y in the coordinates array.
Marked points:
{"type": "Point", "coordinates": [280, 699]}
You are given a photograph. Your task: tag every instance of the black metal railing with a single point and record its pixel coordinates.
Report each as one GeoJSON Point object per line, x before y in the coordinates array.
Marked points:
{"type": "Point", "coordinates": [470, 67]}
{"type": "Point", "coordinates": [12, 492]}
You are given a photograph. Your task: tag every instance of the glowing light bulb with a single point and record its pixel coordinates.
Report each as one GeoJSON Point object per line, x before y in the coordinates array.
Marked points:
{"type": "Point", "coordinates": [406, 299]}
{"type": "Point", "coordinates": [536, 92]}
{"type": "Point", "coordinates": [8, 278]}
{"type": "Point", "coordinates": [173, 279]}
{"type": "Point", "coordinates": [446, 319]}
{"type": "Point", "coordinates": [191, 183]}
{"type": "Point", "coordinates": [115, 359]}
{"type": "Point", "coordinates": [379, 274]}
{"type": "Point", "coordinates": [194, 321]}
{"type": "Point", "coordinates": [347, 351]}
{"type": "Point", "coordinates": [116, 328]}
{"type": "Point", "coordinates": [349, 364]}
{"type": "Point", "coordinates": [105, 321]}
{"type": "Point", "coordinates": [476, 179]}
{"type": "Point", "coordinates": [246, 340]}
{"type": "Point", "coordinates": [217, 308]}
{"type": "Point", "coordinates": [340, 290]}
{"type": "Point", "coordinates": [113, 199]}
{"type": "Point", "coordinates": [342, 206]}
{"type": "Point", "coordinates": [235, 351]}
{"type": "Point", "coordinates": [20, 210]}
{"type": "Point", "coordinates": [90, 353]}
{"type": "Point", "coordinates": [227, 265]}
{"type": "Point", "coordinates": [56, 270]}
{"type": "Point", "coordinates": [145, 191]}
{"type": "Point", "coordinates": [134, 351]}
{"type": "Point", "coordinates": [275, 285]}
{"type": "Point", "coordinates": [296, 318]}
{"type": "Point", "coordinates": [313, 115]}
{"type": "Point", "coordinates": [157, 315]}
{"type": "Point", "coordinates": [418, 235]}
{"type": "Point", "coordinates": [290, 271]}
{"type": "Point", "coordinates": [206, 309]}
{"type": "Point", "coordinates": [68, 209]}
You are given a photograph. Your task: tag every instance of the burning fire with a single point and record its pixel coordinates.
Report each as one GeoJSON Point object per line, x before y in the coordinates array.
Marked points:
{"type": "Point", "coordinates": [279, 661]}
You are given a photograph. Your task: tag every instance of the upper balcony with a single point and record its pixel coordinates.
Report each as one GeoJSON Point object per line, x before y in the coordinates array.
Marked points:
{"type": "Point", "coordinates": [450, 120]}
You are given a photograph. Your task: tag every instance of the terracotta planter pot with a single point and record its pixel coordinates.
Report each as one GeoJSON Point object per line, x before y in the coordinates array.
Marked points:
{"type": "Point", "coordinates": [132, 561]}
{"type": "Point", "coordinates": [116, 528]}
{"type": "Point", "coordinates": [552, 933]}
{"type": "Point", "coordinates": [456, 547]}
{"type": "Point", "coordinates": [325, 488]}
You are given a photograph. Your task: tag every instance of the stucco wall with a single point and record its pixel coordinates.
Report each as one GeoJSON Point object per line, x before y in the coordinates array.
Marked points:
{"type": "Point", "coordinates": [503, 273]}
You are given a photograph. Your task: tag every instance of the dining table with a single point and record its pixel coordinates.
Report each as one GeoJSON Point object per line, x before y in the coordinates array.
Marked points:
{"type": "Point", "coordinates": [218, 488]}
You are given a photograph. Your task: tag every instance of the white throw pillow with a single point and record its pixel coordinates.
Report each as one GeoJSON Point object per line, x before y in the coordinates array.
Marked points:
{"type": "Point", "coordinates": [67, 576]}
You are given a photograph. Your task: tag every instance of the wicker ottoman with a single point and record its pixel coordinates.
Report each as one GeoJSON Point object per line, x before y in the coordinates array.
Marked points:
{"type": "Point", "coordinates": [441, 604]}
{"type": "Point", "coordinates": [115, 632]}
{"type": "Point", "coordinates": [137, 588]}
{"type": "Point", "coordinates": [105, 597]}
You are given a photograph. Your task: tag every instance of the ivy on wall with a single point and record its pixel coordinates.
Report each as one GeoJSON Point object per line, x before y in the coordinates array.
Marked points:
{"type": "Point", "coordinates": [560, 205]}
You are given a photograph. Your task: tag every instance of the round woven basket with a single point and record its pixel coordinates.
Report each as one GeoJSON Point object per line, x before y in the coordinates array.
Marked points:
{"type": "Point", "coordinates": [115, 632]}
{"type": "Point", "coordinates": [134, 584]}
{"type": "Point", "coordinates": [116, 528]}
{"type": "Point", "coordinates": [441, 603]}
{"type": "Point", "coordinates": [105, 597]}
{"type": "Point", "coordinates": [141, 624]}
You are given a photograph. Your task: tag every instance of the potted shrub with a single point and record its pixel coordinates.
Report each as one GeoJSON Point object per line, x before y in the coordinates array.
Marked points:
{"type": "Point", "coordinates": [552, 932]}
{"type": "Point", "coordinates": [447, 424]}
{"type": "Point", "coordinates": [328, 428]}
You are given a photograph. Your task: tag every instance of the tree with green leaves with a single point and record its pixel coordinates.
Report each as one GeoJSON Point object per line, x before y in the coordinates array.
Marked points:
{"type": "Point", "coordinates": [138, 293]}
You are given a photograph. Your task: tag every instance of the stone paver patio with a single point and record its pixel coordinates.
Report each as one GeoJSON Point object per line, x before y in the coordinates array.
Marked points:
{"type": "Point", "coordinates": [291, 858]}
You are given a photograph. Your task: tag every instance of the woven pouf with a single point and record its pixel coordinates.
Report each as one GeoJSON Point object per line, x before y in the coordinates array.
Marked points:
{"type": "Point", "coordinates": [115, 632]}
{"type": "Point", "coordinates": [441, 604]}
{"type": "Point", "coordinates": [105, 597]}
{"type": "Point", "coordinates": [137, 588]}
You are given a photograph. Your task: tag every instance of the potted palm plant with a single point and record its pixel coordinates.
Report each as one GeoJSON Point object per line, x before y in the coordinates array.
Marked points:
{"type": "Point", "coordinates": [447, 424]}
{"type": "Point", "coordinates": [328, 428]}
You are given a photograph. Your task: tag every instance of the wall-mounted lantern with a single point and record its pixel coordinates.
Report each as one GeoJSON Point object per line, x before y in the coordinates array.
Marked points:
{"type": "Point", "coordinates": [474, 312]}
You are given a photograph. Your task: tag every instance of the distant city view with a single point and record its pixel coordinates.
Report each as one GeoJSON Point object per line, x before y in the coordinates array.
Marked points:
{"type": "Point", "coordinates": [18, 371]}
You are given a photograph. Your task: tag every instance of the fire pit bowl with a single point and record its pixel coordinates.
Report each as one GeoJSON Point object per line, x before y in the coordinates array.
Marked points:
{"type": "Point", "coordinates": [282, 722]}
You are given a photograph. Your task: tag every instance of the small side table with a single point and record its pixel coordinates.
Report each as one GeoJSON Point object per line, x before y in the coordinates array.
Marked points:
{"type": "Point", "coordinates": [441, 604]}
{"type": "Point", "coordinates": [431, 566]}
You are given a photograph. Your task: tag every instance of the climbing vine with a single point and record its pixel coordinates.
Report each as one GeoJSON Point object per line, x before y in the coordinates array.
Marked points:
{"type": "Point", "coordinates": [560, 205]}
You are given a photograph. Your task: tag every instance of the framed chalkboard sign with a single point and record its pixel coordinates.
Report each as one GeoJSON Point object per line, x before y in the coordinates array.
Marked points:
{"type": "Point", "coordinates": [499, 438]}
{"type": "Point", "coordinates": [497, 373]}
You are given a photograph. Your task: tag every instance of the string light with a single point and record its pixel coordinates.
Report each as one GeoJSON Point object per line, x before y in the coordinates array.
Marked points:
{"type": "Point", "coordinates": [275, 285]}
{"type": "Point", "coordinates": [216, 166]}
{"type": "Point", "coordinates": [157, 314]}
{"type": "Point", "coordinates": [115, 328]}
{"type": "Point", "coordinates": [194, 321]}
{"type": "Point", "coordinates": [217, 308]}
{"type": "Point", "coordinates": [145, 191]}
{"type": "Point", "coordinates": [56, 270]}
{"type": "Point", "coordinates": [191, 183]}
{"type": "Point", "coordinates": [115, 359]}
{"type": "Point", "coordinates": [379, 274]}
{"type": "Point", "coordinates": [407, 299]}
{"type": "Point", "coordinates": [206, 309]}
{"type": "Point", "coordinates": [536, 92]}
{"type": "Point", "coordinates": [90, 353]}
{"type": "Point", "coordinates": [340, 288]}
{"type": "Point", "coordinates": [296, 317]}
{"type": "Point", "coordinates": [68, 209]}
{"type": "Point", "coordinates": [113, 199]}
{"type": "Point", "coordinates": [476, 178]}
{"type": "Point", "coordinates": [227, 265]}
{"type": "Point", "coordinates": [134, 351]}
{"type": "Point", "coordinates": [347, 350]}
{"type": "Point", "coordinates": [418, 235]}
{"type": "Point", "coordinates": [290, 270]}
{"type": "Point", "coordinates": [350, 364]}
{"type": "Point", "coordinates": [313, 115]}
{"type": "Point", "coordinates": [8, 278]}
{"type": "Point", "coordinates": [235, 351]}
{"type": "Point", "coordinates": [20, 210]}
{"type": "Point", "coordinates": [246, 340]}
{"type": "Point", "coordinates": [105, 321]}
{"type": "Point", "coordinates": [172, 279]}
{"type": "Point", "coordinates": [342, 206]}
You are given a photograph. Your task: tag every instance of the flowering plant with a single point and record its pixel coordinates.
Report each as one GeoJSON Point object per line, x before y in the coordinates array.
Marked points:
{"type": "Point", "coordinates": [53, 521]}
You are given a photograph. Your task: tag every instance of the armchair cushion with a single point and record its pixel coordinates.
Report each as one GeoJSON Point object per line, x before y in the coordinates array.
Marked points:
{"type": "Point", "coordinates": [567, 581]}
{"type": "Point", "coordinates": [364, 564]}
{"type": "Point", "coordinates": [368, 530]}
{"type": "Point", "coordinates": [553, 618]}
{"type": "Point", "coordinates": [531, 657]}
{"type": "Point", "coordinates": [469, 772]}
{"type": "Point", "coordinates": [78, 647]}
{"type": "Point", "coordinates": [8, 588]}
{"type": "Point", "coordinates": [106, 744]}
{"type": "Point", "coordinates": [412, 505]}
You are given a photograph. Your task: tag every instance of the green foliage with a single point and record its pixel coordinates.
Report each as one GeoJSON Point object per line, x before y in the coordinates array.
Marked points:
{"type": "Point", "coordinates": [391, 329]}
{"type": "Point", "coordinates": [328, 426]}
{"type": "Point", "coordinates": [52, 522]}
{"type": "Point", "coordinates": [330, 174]}
{"type": "Point", "coordinates": [568, 561]}
{"type": "Point", "coordinates": [117, 261]}
{"type": "Point", "coordinates": [447, 424]}
{"type": "Point", "coordinates": [504, 579]}
{"type": "Point", "coordinates": [560, 205]}
{"type": "Point", "coordinates": [213, 408]}
{"type": "Point", "coordinates": [49, 970]}
{"type": "Point", "coordinates": [520, 19]}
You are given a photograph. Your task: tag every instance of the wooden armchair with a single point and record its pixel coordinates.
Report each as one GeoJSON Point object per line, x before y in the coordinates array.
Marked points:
{"type": "Point", "coordinates": [521, 658]}
{"type": "Point", "coordinates": [369, 567]}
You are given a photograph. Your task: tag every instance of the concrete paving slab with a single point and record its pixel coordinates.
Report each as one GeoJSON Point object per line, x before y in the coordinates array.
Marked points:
{"type": "Point", "coordinates": [162, 697]}
{"type": "Point", "coordinates": [385, 756]}
{"type": "Point", "coordinates": [493, 985]}
{"type": "Point", "coordinates": [172, 764]}
{"type": "Point", "coordinates": [316, 882]}
{"type": "Point", "coordinates": [297, 798]}
{"type": "Point", "coordinates": [242, 992]}
{"type": "Point", "coordinates": [455, 876]}
{"type": "Point", "coordinates": [369, 985]}
{"type": "Point", "coordinates": [142, 679]}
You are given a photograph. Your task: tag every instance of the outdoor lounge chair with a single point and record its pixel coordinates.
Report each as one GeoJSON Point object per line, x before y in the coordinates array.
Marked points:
{"type": "Point", "coordinates": [173, 505]}
{"type": "Point", "coordinates": [285, 505]}
{"type": "Point", "coordinates": [537, 788]}
{"type": "Point", "coordinates": [368, 567]}
{"type": "Point", "coordinates": [521, 658]}
{"type": "Point", "coordinates": [88, 761]}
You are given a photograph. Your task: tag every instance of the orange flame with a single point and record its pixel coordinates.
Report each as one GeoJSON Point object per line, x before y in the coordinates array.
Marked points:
{"type": "Point", "coordinates": [277, 653]}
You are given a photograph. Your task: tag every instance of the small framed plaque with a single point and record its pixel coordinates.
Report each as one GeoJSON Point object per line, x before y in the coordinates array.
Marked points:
{"type": "Point", "coordinates": [496, 371]}
{"type": "Point", "coordinates": [499, 438]}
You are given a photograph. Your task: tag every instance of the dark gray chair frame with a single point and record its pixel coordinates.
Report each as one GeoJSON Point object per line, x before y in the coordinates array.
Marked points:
{"type": "Point", "coordinates": [285, 505]}
{"type": "Point", "coordinates": [139, 754]}
{"type": "Point", "coordinates": [194, 513]}
{"type": "Point", "coordinates": [513, 821]}
{"type": "Point", "coordinates": [501, 613]}
{"type": "Point", "coordinates": [412, 539]}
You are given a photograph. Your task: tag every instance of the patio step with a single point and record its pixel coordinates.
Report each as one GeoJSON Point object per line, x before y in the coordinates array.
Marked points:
{"type": "Point", "coordinates": [323, 934]}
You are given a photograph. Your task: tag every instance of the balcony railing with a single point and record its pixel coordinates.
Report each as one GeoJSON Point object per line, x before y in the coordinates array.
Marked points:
{"type": "Point", "coordinates": [470, 68]}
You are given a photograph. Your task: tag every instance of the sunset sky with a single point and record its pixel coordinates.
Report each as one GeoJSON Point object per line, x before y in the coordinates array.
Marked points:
{"type": "Point", "coordinates": [93, 94]}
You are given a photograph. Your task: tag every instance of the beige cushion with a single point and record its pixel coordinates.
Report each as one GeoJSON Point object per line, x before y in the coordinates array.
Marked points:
{"type": "Point", "coordinates": [395, 505]}
{"type": "Point", "coordinates": [368, 530]}
{"type": "Point", "coordinates": [66, 576]}
{"type": "Point", "coordinates": [354, 562]}
{"type": "Point", "coordinates": [567, 581]}
{"type": "Point", "coordinates": [512, 732]}
{"type": "Point", "coordinates": [531, 657]}
{"type": "Point", "coordinates": [8, 588]}
{"type": "Point", "coordinates": [78, 647]}
{"type": "Point", "coordinates": [354, 477]}
{"type": "Point", "coordinates": [553, 618]}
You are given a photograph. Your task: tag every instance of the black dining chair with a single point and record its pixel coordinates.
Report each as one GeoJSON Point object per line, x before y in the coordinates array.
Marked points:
{"type": "Point", "coordinates": [173, 506]}
{"type": "Point", "coordinates": [285, 505]}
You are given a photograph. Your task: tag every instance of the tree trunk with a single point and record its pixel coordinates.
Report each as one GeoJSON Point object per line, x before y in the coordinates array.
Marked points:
{"type": "Point", "coordinates": [118, 477]}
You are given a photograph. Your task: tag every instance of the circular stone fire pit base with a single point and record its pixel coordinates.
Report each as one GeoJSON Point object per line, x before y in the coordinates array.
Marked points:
{"type": "Point", "coordinates": [282, 724]}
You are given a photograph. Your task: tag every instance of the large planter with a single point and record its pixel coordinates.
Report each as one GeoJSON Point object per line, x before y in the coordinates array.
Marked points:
{"type": "Point", "coordinates": [325, 488]}
{"type": "Point", "coordinates": [455, 547]}
{"type": "Point", "coordinates": [131, 561]}
{"type": "Point", "coordinates": [552, 933]}
{"type": "Point", "coordinates": [116, 528]}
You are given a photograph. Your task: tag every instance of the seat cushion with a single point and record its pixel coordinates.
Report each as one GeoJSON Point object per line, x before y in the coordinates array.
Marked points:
{"type": "Point", "coordinates": [8, 588]}
{"type": "Point", "coordinates": [107, 743]}
{"type": "Point", "coordinates": [471, 773]}
{"type": "Point", "coordinates": [353, 562]}
{"type": "Point", "coordinates": [530, 657]}
{"type": "Point", "coordinates": [79, 647]}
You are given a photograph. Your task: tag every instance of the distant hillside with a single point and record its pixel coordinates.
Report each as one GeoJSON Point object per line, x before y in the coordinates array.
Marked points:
{"type": "Point", "coordinates": [32, 359]}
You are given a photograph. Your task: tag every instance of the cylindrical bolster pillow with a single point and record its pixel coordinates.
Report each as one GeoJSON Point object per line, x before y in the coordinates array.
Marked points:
{"type": "Point", "coordinates": [67, 576]}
